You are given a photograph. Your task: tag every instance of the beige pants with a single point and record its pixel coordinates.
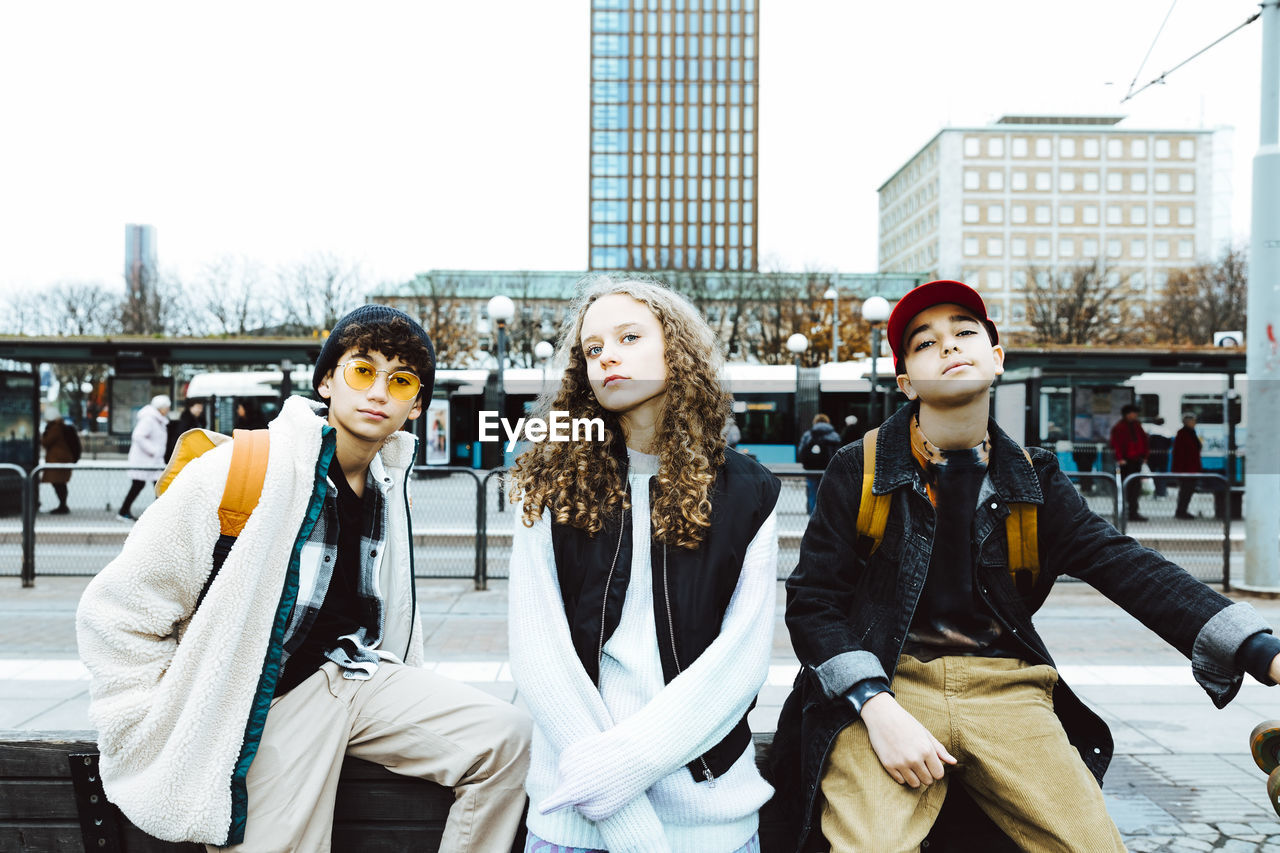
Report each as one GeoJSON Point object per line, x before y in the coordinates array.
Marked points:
{"type": "Point", "coordinates": [995, 715]}
{"type": "Point", "coordinates": [407, 719]}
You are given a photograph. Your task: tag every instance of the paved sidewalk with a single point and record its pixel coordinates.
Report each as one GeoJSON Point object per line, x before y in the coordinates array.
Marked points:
{"type": "Point", "coordinates": [1182, 778]}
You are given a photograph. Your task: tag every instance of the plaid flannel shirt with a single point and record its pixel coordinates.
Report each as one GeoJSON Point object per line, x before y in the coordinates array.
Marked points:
{"type": "Point", "coordinates": [356, 653]}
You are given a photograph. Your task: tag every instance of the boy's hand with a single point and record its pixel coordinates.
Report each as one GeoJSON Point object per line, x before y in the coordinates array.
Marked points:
{"type": "Point", "coordinates": [906, 749]}
{"type": "Point", "coordinates": [1274, 670]}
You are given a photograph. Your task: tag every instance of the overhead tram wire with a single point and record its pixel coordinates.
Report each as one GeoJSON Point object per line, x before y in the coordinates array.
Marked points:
{"type": "Point", "coordinates": [1143, 64]}
{"type": "Point", "coordinates": [1255, 16]}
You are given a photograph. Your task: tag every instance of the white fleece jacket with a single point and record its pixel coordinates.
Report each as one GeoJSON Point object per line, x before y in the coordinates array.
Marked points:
{"type": "Point", "coordinates": [172, 688]}
{"type": "Point", "coordinates": [619, 752]}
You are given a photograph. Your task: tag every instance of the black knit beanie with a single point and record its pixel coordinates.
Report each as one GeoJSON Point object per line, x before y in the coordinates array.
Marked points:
{"type": "Point", "coordinates": [371, 315]}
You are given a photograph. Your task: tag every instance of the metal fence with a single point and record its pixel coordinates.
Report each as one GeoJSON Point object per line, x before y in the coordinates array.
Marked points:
{"type": "Point", "coordinates": [463, 521]}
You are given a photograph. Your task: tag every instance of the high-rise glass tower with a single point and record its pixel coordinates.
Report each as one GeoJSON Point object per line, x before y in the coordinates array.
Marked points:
{"type": "Point", "coordinates": [673, 134]}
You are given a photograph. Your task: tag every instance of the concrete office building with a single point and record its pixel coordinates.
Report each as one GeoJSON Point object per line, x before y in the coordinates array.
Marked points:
{"type": "Point", "coordinates": [1039, 194]}
{"type": "Point", "coordinates": [673, 135]}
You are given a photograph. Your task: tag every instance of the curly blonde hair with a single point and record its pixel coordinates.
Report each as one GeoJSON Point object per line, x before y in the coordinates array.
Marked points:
{"type": "Point", "coordinates": [581, 481]}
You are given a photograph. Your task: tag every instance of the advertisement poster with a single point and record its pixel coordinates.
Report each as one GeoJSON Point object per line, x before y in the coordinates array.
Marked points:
{"type": "Point", "coordinates": [437, 415]}
{"type": "Point", "coordinates": [129, 394]}
{"type": "Point", "coordinates": [17, 425]}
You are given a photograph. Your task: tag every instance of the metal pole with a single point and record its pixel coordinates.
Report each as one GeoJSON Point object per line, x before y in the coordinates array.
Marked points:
{"type": "Point", "coordinates": [1262, 462]}
{"type": "Point", "coordinates": [835, 328]}
{"type": "Point", "coordinates": [795, 402]}
{"type": "Point", "coordinates": [502, 405]}
{"type": "Point", "coordinates": [873, 414]}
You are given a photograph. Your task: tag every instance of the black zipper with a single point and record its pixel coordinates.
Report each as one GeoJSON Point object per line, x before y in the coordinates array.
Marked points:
{"type": "Point", "coordinates": [675, 656]}
{"type": "Point", "coordinates": [608, 581]}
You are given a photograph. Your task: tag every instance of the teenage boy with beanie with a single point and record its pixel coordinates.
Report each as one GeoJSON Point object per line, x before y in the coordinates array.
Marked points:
{"type": "Point", "coordinates": [921, 661]}
{"type": "Point", "coordinates": [224, 714]}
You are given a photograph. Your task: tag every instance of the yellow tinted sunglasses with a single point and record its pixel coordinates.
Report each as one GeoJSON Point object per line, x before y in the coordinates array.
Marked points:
{"type": "Point", "coordinates": [360, 376]}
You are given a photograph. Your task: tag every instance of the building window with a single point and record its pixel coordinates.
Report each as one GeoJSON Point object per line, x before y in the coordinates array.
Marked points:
{"type": "Point", "coordinates": [1091, 147]}
{"type": "Point", "coordinates": [1066, 147]}
{"type": "Point", "coordinates": [1066, 247]}
{"type": "Point", "coordinates": [1018, 247]}
{"type": "Point", "coordinates": [1138, 281]}
{"type": "Point", "coordinates": [1018, 213]}
{"type": "Point", "coordinates": [1162, 214]}
{"type": "Point", "coordinates": [1019, 279]}
{"type": "Point", "coordinates": [1162, 149]}
{"type": "Point", "coordinates": [972, 146]}
{"type": "Point", "coordinates": [1162, 249]}
{"type": "Point", "coordinates": [1162, 182]}
{"type": "Point", "coordinates": [1043, 214]}
{"type": "Point", "coordinates": [995, 213]}
{"type": "Point", "coordinates": [1042, 247]}
{"type": "Point", "coordinates": [1066, 215]}
{"type": "Point", "coordinates": [994, 312]}
{"type": "Point", "coordinates": [1138, 215]}
{"type": "Point", "coordinates": [972, 180]}
{"type": "Point", "coordinates": [1019, 146]}
{"type": "Point", "coordinates": [970, 246]}
{"type": "Point", "coordinates": [1186, 182]}
{"type": "Point", "coordinates": [1066, 181]}
{"type": "Point", "coordinates": [1115, 148]}
{"type": "Point", "coordinates": [1018, 312]}
{"type": "Point", "coordinates": [1044, 148]}
{"type": "Point", "coordinates": [1115, 215]}
{"type": "Point", "coordinates": [1114, 249]}
{"type": "Point", "coordinates": [995, 247]}
{"type": "Point", "coordinates": [995, 180]}
{"type": "Point", "coordinates": [1044, 182]}
{"type": "Point", "coordinates": [1089, 247]}
{"type": "Point", "coordinates": [1186, 248]}
{"type": "Point", "coordinates": [1089, 214]}
{"type": "Point", "coordinates": [995, 146]}
{"type": "Point", "coordinates": [1090, 181]}
{"type": "Point", "coordinates": [1138, 182]}
{"type": "Point", "coordinates": [1186, 149]}
{"type": "Point", "coordinates": [1138, 248]}
{"type": "Point", "coordinates": [1186, 215]}
{"type": "Point", "coordinates": [1159, 280]}
{"type": "Point", "coordinates": [1138, 149]}
{"type": "Point", "coordinates": [1115, 182]}
{"type": "Point", "coordinates": [1019, 180]}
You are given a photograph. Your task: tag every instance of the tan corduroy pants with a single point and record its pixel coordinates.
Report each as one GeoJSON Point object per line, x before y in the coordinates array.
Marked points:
{"type": "Point", "coordinates": [407, 719]}
{"type": "Point", "coordinates": [995, 715]}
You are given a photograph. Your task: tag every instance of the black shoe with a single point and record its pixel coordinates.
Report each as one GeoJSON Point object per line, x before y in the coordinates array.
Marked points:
{"type": "Point", "coordinates": [1137, 517]}
{"type": "Point", "coordinates": [1185, 516]}
{"type": "Point", "coordinates": [60, 510]}
{"type": "Point", "coordinates": [124, 516]}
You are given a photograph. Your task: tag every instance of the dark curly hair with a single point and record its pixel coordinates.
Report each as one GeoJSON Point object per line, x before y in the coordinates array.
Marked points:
{"type": "Point", "coordinates": [581, 481]}
{"type": "Point", "coordinates": [394, 338]}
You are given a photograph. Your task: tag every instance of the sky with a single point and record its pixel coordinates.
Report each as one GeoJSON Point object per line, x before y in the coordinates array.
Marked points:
{"type": "Point", "coordinates": [408, 136]}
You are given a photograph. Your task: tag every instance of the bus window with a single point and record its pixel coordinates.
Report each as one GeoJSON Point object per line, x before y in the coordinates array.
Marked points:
{"type": "Point", "coordinates": [1208, 408]}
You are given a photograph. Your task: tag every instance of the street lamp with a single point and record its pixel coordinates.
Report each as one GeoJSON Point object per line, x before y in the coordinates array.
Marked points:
{"type": "Point", "coordinates": [834, 296]}
{"type": "Point", "coordinates": [796, 345]}
{"type": "Point", "coordinates": [875, 310]}
{"type": "Point", "coordinates": [501, 310]}
{"type": "Point", "coordinates": [542, 351]}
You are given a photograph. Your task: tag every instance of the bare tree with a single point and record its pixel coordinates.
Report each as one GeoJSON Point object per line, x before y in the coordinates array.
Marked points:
{"type": "Point", "coordinates": [230, 298]}
{"type": "Point", "coordinates": [434, 300]}
{"type": "Point", "coordinates": [79, 309]}
{"type": "Point", "coordinates": [1202, 300]}
{"type": "Point", "coordinates": [316, 292]}
{"type": "Point", "coordinates": [1077, 305]}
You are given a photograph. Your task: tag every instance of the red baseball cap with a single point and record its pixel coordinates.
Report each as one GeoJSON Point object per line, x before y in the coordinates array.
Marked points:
{"type": "Point", "coordinates": [926, 296]}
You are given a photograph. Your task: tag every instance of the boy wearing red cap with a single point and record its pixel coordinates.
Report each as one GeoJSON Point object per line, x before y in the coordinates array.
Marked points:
{"type": "Point", "coordinates": [922, 666]}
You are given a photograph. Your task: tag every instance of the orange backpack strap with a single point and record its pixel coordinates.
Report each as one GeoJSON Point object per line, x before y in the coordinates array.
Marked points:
{"type": "Point", "coordinates": [873, 509]}
{"type": "Point", "coordinates": [244, 480]}
{"type": "Point", "coordinates": [1022, 531]}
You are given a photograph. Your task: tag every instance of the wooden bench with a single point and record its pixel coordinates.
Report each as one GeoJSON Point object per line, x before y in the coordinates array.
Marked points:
{"type": "Point", "coordinates": [39, 812]}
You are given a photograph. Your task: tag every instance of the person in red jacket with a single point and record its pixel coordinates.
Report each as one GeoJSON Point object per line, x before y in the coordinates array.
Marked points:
{"type": "Point", "coordinates": [1186, 460]}
{"type": "Point", "coordinates": [1130, 445]}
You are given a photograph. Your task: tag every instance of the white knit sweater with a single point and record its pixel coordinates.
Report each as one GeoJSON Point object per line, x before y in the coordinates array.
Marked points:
{"type": "Point", "coordinates": [617, 755]}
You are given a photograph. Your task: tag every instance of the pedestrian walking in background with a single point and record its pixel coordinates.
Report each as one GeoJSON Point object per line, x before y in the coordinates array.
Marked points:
{"type": "Point", "coordinates": [852, 431]}
{"type": "Point", "coordinates": [61, 443]}
{"type": "Point", "coordinates": [1186, 460]}
{"type": "Point", "coordinates": [1130, 445]}
{"type": "Point", "coordinates": [146, 449]}
{"type": "Point", "coordinates": [732, 432]}
{"type": "Point", "coordinates": [192, 417]}
{"type": "Point", "coordinates": [818, 444]}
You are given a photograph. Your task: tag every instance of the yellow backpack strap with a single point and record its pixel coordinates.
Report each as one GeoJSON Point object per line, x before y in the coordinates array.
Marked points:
{"type": "Point", "coordinates": [244, 480]}
{"type": "Point", "coordinates": [1021, 528]}
{"type": "Point", "coordinates": [189, 445]}
{"type": "Point", "coordinates": [873, 509]}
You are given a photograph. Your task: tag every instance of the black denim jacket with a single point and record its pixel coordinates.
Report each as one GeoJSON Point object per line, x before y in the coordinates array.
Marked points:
{"type": "Point", "coordinates": [848, 616]}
